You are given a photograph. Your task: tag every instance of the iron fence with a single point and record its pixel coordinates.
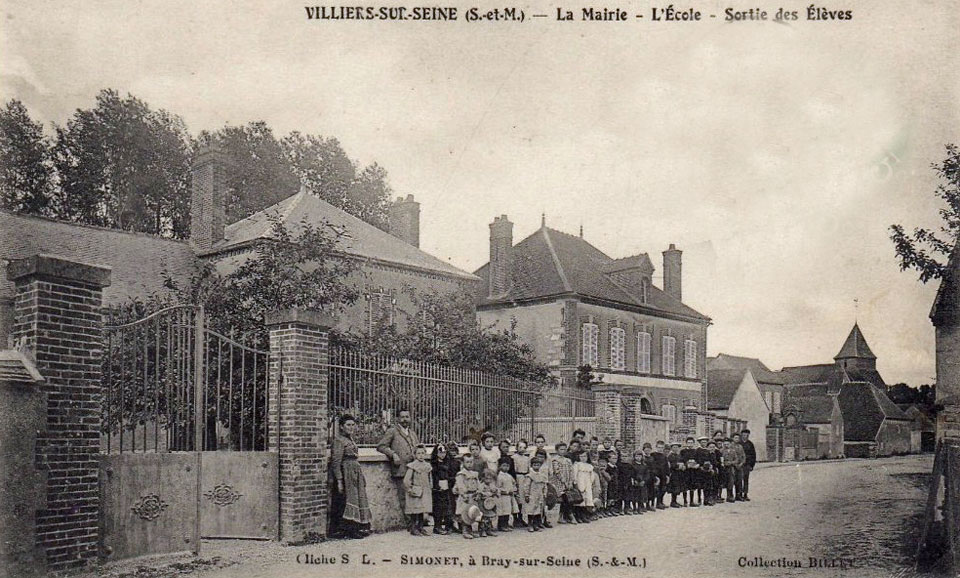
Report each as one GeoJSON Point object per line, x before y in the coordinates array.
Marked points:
{"type": "Point", "coordinates": [447, 403]}
{"type": "Point", "coordinates": [173, 384]}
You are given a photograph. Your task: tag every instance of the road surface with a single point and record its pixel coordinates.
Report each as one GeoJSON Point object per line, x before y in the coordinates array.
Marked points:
{"type": "Point", "coordinates": [837, 518]}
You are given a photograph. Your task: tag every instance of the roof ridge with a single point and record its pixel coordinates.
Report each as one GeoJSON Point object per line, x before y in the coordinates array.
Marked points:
{"type": "Point", "coordinates": [556, 259]}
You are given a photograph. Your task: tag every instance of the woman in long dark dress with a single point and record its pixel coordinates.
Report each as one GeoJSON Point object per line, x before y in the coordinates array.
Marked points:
{"type": "Point", "coordinates": [350, 514]}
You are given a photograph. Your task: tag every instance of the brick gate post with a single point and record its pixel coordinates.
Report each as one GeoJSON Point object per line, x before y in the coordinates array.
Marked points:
{"type": "Point", "coordinates": [298, 419]}
{"type": "Point", "coordinates": [58, 319]}
{"type": "Point", "coordinates": [607, 411]}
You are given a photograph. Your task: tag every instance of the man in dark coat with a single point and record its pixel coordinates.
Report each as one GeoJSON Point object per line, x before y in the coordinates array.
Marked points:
{"type": "Point", "coordinates": [398, 444]}
{"type": "Point", "coordinates": [751, 454]}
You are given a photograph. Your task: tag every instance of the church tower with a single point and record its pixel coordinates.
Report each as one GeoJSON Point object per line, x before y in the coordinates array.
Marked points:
{"type": "Point", "coordinates": [855, 353]}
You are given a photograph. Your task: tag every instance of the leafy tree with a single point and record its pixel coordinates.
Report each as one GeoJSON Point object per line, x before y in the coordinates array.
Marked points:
{"type": "Point", "coordinates": [903, 393]}
{"type": "Point", "coordinates": [123, 165]}
{"type": "Point", "coordinates": [444, 330]}
{"type": "Point", "coordinates": [25, 168]}
{"type": "Point", "coordinates": [326, 171]}
{"type": "Point", "coordinates": [926, 251]}
{"type": "Point", "coordinates": [259, 172]}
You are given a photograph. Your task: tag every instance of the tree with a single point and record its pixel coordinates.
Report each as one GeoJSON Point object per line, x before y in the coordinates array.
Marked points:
{"type": "Point", "coordinates": [295, 268]}
{"type": "Point", "coordinates": [25, 169]}
{"type": "Point", "coordinates": [926, 251]}
{"type": "Point", "coordinates": [125, 166]}
{"type": "Point", "coordinates": [443, 330]}
{"type": "Point", "coordinates": [326, 171]}
{"type": "Point", "coordinates": [259, 173]}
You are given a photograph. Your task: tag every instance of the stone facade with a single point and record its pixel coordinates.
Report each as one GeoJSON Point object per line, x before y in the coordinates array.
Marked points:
{"type": "Point", "coordinates": [58, 320]}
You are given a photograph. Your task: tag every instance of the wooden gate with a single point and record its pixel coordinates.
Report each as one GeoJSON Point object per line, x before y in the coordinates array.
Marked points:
{"type": "Point", "coordinates": [184, 437]}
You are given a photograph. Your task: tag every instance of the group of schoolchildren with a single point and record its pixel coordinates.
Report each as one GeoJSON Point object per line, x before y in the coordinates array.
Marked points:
{"type": "Point", "coordinates": [491, 488]}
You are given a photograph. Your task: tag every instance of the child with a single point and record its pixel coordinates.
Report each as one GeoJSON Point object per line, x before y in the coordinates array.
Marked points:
{"type": "Point", "coordinates": [561, 478]}
{"type": "Point", "coordinates": [418, 483]}
{"type": "Point", "coordinates": [487, 498]}
{"type": "Point", "coordinates": [613, 486]}
{"type": "Point", "coordinates": [454, 464]}
{"type": "Point", "coordinates": [533, 491]}
{"type": "Point", "coordinates": [521, 466]}
{"type": "Point", "coordinates": [689, 456]}
{"type": "Point", "coordinates": [489, 453]}
{"type": "Point", "coordinates": [442, 490]}
{"type": "Point", "coordinates": [583, 476]}
{"type": "Point", "coordinates": [661, 469]}
{"type": "Point", "coordinates": [603, 472]}
{"type": "Point", "coordinates": [653, 480]}
{"type": "Point", "coordinates": [728, 460]}
{"type": "Point", "coordinates": [506, 502]}
{"type": "Point", "coordinates": [593, 514]}
{"type": "Point", "coordinates": [626, 484]}
{"type": "Point", "coordinates": [465, 488]}
{"type": "Point", "coordinates": [676, 474]}
{"type": "Point", "coordinates": [641, 479]}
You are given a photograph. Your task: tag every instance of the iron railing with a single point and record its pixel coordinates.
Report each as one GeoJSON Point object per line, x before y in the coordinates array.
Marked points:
{"type": "Point", "coordinates": [447, 403]}
{"type": "Point", "coordinates": [173, 384]}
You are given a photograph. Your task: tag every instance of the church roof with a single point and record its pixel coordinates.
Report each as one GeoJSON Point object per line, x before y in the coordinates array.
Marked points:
{"type": "Point", "coordinates": [855, 346]}
{"type": "Point", "coordinates": [361, 239]}
{"type": "Point", "coordinates": [815, 408]}
{"type": "Point", "coordinates": [550, 263]}
{"type": "Point", "coordinates": [864, 408]}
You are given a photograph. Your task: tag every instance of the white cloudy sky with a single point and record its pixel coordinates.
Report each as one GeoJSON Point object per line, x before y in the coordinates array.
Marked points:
{"type": "Point", "coordinates": [753, 146]}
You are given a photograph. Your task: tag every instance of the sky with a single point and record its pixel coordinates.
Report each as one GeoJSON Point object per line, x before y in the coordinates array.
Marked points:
{"type": "Point", "coordinates": [775, 155]}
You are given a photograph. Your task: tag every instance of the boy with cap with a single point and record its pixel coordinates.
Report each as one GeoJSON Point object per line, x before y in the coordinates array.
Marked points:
{"type": "Point", "coordinates": [662, 470]}
{"type": "Point", "coordinates": [676, 474]}
{"type": "Point", "coordinates": [689, 456]}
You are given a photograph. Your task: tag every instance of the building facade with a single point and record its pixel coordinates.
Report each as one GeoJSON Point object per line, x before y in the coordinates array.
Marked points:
{"type": "Point", "coordinates": [576, 307]}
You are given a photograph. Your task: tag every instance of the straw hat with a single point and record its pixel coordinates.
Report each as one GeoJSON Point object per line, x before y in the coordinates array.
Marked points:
{"type": "Point", "coordinates": [472, 515]}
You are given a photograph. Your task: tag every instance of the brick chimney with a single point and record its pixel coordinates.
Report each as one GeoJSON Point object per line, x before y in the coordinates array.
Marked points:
{"type": "Point", "coordinates": [501, 255]}
{"type": "Point", "coordinates": [208, 209]}
{"type": "Point", "coordinates": [671, 272]}
{"type": "Point", "coordinates": [404, 220]}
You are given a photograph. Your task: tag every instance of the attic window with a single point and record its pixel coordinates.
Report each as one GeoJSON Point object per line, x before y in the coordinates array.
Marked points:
{"type": "Point", "coordinates": [643, 291]}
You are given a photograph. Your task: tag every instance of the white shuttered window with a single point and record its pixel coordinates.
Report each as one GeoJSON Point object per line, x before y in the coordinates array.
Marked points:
{"type": "Point", "coordinates": [689, 358]}
{"type": "Point", "coordinates": [643, 352]}
{"type": "Point", "coordinates": [618, 343]}
{"type": "Point", "coordinates": [669, 356]}
{"type": "Point", "coordinates": [590, 355]}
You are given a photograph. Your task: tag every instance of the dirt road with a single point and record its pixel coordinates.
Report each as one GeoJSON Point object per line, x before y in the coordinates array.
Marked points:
{"type": "Point", "coordinates": [853, 518]}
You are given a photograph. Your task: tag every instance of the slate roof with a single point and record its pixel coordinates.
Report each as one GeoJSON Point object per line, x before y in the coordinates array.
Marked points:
{"type": "Point", "coordinates": [855, 346]}
{"type": "Point", "coordinates": [552, 263]}
{"type": "Point", "coordinates": [137, 259]}
{"type": "Point", "coordinates": [760, 371]}
{"type": "Point", "coordinates": [815, 408]}
{"type": "Point", "coordinates": [864, 408]}
{"type": "Point", "coordinates": [362, 239]}
{"type": "Point", "coordinates": [722, 386]}
{"type": "Point", "coordinates": [820, 373]}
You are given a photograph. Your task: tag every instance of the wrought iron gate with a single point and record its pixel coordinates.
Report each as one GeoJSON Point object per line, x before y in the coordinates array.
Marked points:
{"type": "Point", "coordinates": [184, 436]}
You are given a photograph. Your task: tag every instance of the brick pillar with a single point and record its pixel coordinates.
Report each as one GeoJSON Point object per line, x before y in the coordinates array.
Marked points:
{"type": "Point", "coordinates": [58, 319]}
{"type": "Point", "coordinates": [298, 420]}
{"type": "Point", "coordinates": [631, 415]}
{"type": "Point", "coordinates": [607, 402]}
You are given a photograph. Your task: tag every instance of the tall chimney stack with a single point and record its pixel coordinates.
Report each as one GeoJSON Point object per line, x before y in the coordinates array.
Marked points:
{"type": "Point", "coordinates": [208, 205]}
{"type": "Point", "coordinates": [671, 272]}
{"type": "Point", "coordinates": [501, 252]}
{"type": "Point", "coordinates": [404, 220]}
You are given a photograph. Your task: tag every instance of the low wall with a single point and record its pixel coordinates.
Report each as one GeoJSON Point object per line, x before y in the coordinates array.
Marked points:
{"type": "Point", "coordinates": [382, 491]}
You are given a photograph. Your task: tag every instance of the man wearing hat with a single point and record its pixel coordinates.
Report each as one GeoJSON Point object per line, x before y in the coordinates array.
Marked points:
{"type": "Point", "coordinates": [751, 460]}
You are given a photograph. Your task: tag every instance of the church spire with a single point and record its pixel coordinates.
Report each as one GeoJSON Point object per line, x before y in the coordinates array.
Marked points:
{"type": "Point", "coordinates": [855, 353]}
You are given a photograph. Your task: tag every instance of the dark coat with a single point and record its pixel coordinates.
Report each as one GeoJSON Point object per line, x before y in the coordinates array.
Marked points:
{"type": "Point", "coordinates": [751, 453]}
